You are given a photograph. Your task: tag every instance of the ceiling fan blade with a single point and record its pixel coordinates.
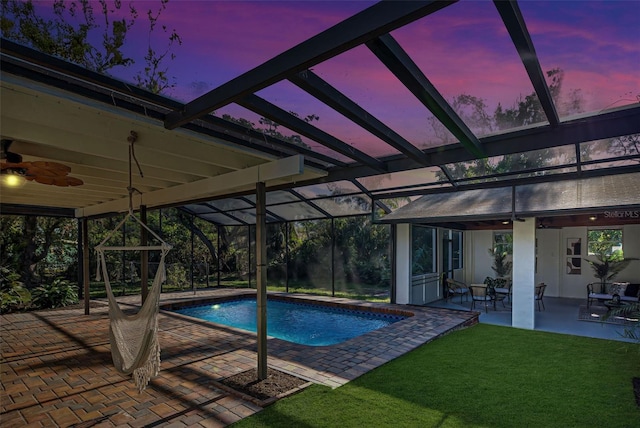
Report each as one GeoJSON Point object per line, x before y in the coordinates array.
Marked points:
{"type": "Point", "coordinates": [42, 179]}
{"type": "Point", "coordinates": [64, 181]}
{"type": "Point", "coordinates": [60, 181]}
{"type": "Point", "coordinates": [72, 181]}
{"type": "Point", "coordinates": [53, 166]}
{"type": "Point", "coordinates": [42, 172]}
{"type": "Point", "coordinates": [12, 165]}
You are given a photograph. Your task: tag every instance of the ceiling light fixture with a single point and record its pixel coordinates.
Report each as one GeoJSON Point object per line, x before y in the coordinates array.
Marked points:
{"type": "Point", "coordinates": [593, 218]}
{"type": "Point", "coordinates": [506, 222]}
{"type": "Point", "coordinates": [13, 177]}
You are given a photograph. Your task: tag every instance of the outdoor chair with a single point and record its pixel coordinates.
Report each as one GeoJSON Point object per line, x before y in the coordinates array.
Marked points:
{"type": "Point", "coordinates": [456, 287]}
{"type": "Point", "coordinates": [539, 294]}
{"type": "Point", "coordinates": [501, 287]}
{"type": "Point", "coordinates": [479, 294]}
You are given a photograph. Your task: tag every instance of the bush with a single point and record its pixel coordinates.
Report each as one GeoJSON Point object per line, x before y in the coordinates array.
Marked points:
{"type": "Point", "coordinates": [57, 294]}
{"type": "Point", "coordinates": [177, 275]}
{"type": "Point", "coordinates": [13, 295]}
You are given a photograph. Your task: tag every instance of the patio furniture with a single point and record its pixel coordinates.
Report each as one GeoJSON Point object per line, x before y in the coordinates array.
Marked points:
{"type": "Point", "coordinates": [628, 293]}
{"type": "Point", "coordinates": [479, 293]}
{"type": "Point", "coordinates": [501, 287]}
{"type": "Point", "coordinates": [457, 288]}
{"type": "Point", "coordinates": [539, 294]}
{"type": "Point", "coordinates": [614, 303]}
{"type": "Point", "coordinates": [135, 348]}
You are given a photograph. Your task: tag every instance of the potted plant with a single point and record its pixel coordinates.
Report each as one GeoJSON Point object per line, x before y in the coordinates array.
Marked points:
{"type": "Point", "coordinates": [607, 266]}
{"type": "Point", "coordinates": [501, 266]}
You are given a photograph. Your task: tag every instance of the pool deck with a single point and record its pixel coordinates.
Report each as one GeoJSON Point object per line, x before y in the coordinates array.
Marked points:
{"type": "Point", "coordinates": [56, 365]}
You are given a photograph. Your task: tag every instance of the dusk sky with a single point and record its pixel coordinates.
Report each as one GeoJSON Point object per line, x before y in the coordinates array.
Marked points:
{"type": "Point", "coordinates": [463, 49]}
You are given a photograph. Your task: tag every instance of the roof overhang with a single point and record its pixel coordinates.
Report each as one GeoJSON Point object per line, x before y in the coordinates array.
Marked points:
{"type": "Point", "coordinates": [53, 125]}
{"type": "Point", "coordinates": [597, 194]}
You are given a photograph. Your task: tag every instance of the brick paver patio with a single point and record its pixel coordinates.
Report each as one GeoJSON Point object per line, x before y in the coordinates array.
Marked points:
{"type": "Point", "coordinates": [56, 365]}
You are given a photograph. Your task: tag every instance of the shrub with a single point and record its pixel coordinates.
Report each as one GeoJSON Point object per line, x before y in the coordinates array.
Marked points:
{"type": "Point", "coordinates": [177, 275]}
{"type": "Point", "coordinates": [13, 295]}
{"type": "Point", "coordinates": [57, 294]}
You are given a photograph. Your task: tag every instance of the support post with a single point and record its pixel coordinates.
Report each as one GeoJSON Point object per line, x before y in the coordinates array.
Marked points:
{"type": "Point", "coordinates": [393, 257]}
{"type": "Point", "coordinates": [218, 254]}
{"type": "Point", "coordinates": [160, 234]}
{"type": "Point", "coordinates": [261, 267]}
{"type": "Point", "coordinates": [286, 249]}
{"type": "Point", "coordinates": [193, 287]}
{"type": "Point", "coordinates": [524, 259]}
{"type": "Point", "coordinates": [79, 260]}
{"type": "Point", "coordinates": [249, 255]}
{"type": "Point", "coordinates": [123, 257]}
{"type": "Point", "coordinates": [85, 263]}
{"type": "Point", "coordinates": [144, 256]}
{"type": "Point", "coordinates": [403, 263]}
{"type": "Point", "coordinates": [333, 258]}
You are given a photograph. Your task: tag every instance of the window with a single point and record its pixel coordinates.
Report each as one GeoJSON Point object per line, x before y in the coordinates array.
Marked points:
{"type": "Point", "coordinates": [456, 249]}
{"type": "Point", "coordinates": [423, 250]}
{"type": "Point", "coordinates": [503, 242]}
{"type": "Point", "coordinates": [605, 242]}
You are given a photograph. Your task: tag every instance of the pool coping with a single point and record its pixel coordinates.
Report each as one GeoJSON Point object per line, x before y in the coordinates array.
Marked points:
{"type": "Point", "coordinates": [335, 365]}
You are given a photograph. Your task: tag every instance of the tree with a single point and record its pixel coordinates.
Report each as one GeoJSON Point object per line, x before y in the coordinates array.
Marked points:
{"type": "Point", "coordinates": [28, 240]}
{"type": "Point", "coordinates": [270, 128]}
{"type": "Point", "coordinates": [94, 36]}
{"type": "Point", "coordinates": [525, 110]}
{"type": "Point", "coordinates": [95, 40]}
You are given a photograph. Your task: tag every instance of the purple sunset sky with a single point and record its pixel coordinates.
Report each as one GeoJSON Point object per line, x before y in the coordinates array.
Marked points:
{"type": "Point", "coordinates": [463, 49]}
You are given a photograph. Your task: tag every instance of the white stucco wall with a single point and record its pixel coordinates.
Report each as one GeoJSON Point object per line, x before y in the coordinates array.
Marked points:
{"type": "Point", "coordinates": [403, 264]}
{"type": "Point", "coordinates": [549, 261]}
{"type": "Point", "coordinates": [551, 256]}
{"type": "Point", "coordinates": [631, 247]}
{"type": "Point", "coordinates": [479, 266]}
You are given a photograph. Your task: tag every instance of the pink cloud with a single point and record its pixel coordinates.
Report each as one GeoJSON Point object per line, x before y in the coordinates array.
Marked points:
{"type": "Point", "coordinates": [463, 49]}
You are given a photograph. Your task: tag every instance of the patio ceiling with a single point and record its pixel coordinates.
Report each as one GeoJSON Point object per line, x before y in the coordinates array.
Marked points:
{"type": "Point", "coordinates": [192, 157]}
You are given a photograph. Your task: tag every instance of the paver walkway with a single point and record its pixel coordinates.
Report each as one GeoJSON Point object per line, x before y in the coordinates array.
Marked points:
{"type": "Point", "coordinates": [56, 366]}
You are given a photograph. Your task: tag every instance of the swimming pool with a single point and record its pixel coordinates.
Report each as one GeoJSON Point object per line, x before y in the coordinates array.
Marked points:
{"type": "Point", "coordinates": [303, 323]}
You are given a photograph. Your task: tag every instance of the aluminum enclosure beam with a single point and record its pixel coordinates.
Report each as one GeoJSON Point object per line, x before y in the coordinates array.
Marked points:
{"type": "Point", "coordinates": [315, 86]}
{"type": "Point", "coordinates": [275, 113]}
{"type": "Point", "coordinates": [513, 20]}
{"type": "Point", "coordinates": [391, 54]}
{"type": "Point", "coordinates": [616, 123]}
{"type": "Point", "coordinates": [379, 19]}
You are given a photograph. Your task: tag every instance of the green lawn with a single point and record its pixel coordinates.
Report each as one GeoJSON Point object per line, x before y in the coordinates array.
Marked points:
{"type": "Point", "coordinates": [483, 376]}
{"type": "Point", "coordinates": [349, 290]}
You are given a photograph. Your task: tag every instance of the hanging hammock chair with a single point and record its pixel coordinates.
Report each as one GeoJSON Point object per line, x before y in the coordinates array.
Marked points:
{"type": "Point", "coordinates": [134, 338]}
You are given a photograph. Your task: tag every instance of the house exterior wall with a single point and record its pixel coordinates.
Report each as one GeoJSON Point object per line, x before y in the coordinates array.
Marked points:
{"type": "Point", "coordinates": [551, 259]}
{"type": "Point", "coordinates": [403, 263]}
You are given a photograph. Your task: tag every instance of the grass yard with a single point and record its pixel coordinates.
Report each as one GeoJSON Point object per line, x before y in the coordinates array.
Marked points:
{"type": "Point", "coordinates": [483, 376]}
{"type": "Point", "coordinates": [350, 290]}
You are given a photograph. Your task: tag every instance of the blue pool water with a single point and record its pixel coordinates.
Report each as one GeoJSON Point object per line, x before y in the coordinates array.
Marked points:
{"type": "Point", "coordinates": [305, 324]}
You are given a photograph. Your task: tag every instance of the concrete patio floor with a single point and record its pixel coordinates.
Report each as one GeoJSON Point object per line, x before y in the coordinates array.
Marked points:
{"type": "Point", "coordinates": [560, 315]}
{"type": "Point", "coordinates": [56, 365]}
